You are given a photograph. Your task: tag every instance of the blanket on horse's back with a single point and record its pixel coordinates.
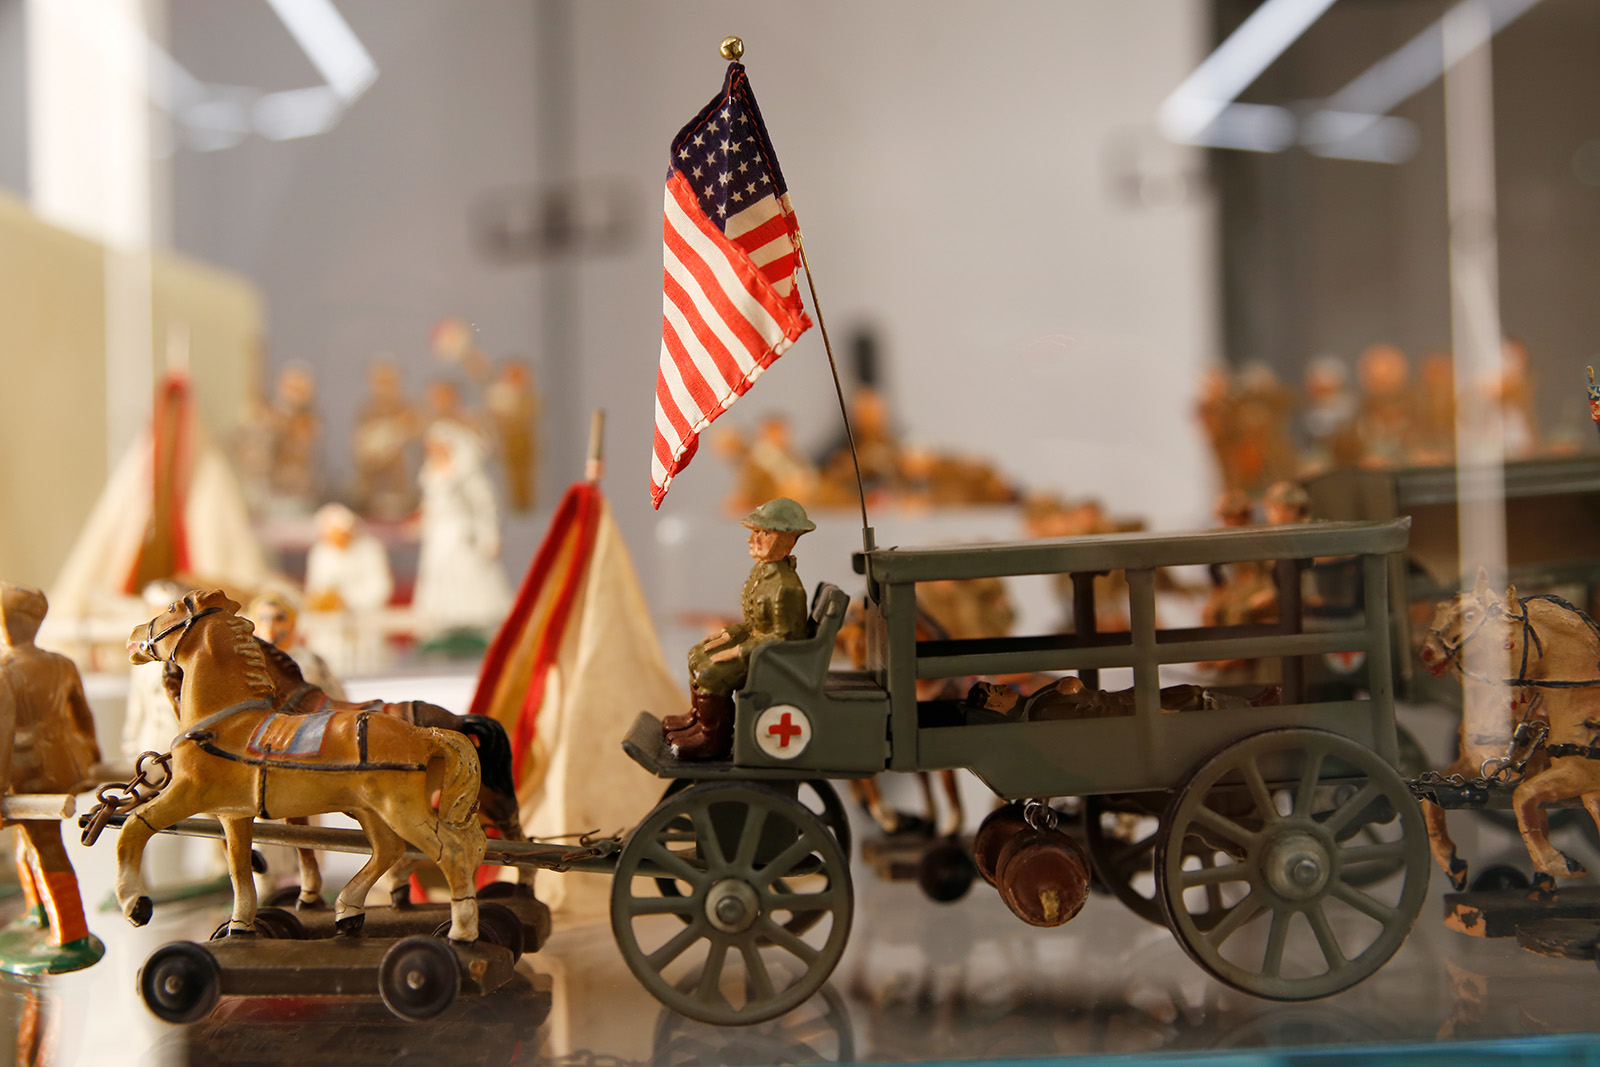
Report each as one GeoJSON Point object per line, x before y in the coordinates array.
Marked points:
{"type": "Point", "coordinates": [286, 735]}
{"type": "Point", "coordinates": [307, 699]}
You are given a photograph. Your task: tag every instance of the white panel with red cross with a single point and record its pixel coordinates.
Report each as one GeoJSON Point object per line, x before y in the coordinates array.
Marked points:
{"type": "Point", "coordinates": [783, 731]}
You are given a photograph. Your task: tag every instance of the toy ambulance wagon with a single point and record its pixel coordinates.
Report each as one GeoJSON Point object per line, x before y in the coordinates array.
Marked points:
{"type": "Point", "coordinates": [1287, 856]}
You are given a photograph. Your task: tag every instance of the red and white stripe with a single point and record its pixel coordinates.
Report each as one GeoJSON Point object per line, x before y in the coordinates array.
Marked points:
{"type": "Point", "coordinates": [729, 308]}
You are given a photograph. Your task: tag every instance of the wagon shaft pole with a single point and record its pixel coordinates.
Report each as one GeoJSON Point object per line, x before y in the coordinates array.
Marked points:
{"type": "Point", "coordinates": [598, 856]}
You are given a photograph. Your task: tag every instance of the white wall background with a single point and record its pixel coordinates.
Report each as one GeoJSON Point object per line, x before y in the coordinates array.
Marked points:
{"type": "Point", "coordinates": [952, 166]}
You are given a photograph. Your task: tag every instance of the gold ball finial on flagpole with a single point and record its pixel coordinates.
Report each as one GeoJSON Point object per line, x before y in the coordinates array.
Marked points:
{"type": "Point", "coordinates": [732, 49]}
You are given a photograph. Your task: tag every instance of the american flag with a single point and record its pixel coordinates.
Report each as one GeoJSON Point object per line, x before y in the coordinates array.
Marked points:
{"type": "Point", "coordinates": [729, 305]}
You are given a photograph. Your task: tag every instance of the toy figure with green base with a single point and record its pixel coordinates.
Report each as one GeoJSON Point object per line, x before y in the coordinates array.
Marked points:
{"type": "Point", "coordinates": [47, 745]}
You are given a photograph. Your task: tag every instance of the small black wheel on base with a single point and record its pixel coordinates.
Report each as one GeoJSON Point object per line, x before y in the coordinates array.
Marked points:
{"type": "Point", "coordinates": [278, 924]}
{"type": "Point", "coordinates": [946, 871]}
{"type": "Point", "coordinates": [419, 978]}
{"type": "Point", "coordinates": [285, 896]}
{"type": "Point", "coordinates": [497, 925]}
{"type": "Point", "coordinates": [1500, 876]}
{"type": "Point", "coordinates": [180, 982]}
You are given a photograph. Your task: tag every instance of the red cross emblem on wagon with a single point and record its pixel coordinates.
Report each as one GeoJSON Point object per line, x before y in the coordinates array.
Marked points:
{"type": "Point", "coordinates": [783, 731]}
{"type": "Point", "coordinates": [1345, 662]}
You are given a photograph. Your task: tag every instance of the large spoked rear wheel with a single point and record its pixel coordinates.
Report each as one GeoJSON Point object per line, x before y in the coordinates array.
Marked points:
{"type": "Point", "coordinates": [760, 911]}
{"type": "Point", "coordinates": [1267, 872]}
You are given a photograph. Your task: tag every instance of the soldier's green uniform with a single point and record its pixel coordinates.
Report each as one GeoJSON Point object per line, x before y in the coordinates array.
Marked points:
{"type": "Point", "coordinates": [774, 606]}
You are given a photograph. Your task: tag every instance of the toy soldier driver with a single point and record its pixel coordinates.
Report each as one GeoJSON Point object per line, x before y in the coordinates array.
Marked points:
{"type": "Point", "coordinates": [774, 605]}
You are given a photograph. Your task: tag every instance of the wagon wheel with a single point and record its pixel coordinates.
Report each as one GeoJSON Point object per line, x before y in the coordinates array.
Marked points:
{"type": "Point", "coordinates": [1285, 912]}
{"type": "Point", "coordinates": [749, 862]}
{"type": "Point", "coordinates": [419, 978]}
{"type": "Point", "coordinates": [818, 1032]}
{"type": "Point", "coordinates": [180, 982]}
{"type": "Point", "coordinates": [1124, 857]}
{"type": "Point", "coordinates": [822, 801]}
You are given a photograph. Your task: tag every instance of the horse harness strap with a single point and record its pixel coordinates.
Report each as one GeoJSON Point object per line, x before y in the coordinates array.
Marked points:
{"type": "Point", "coordinates": [1530, 638]}
{"type": "Point", "coordinates": [201, 731]}
{"type": "Point", "coordinates": [206, 743]}
{"type": "Point", "coordinates": [1567, 748]}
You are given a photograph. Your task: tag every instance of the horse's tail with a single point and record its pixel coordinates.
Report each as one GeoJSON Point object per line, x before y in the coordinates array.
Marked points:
{"type": "Point", "coordinates": [494, 753]}
{"type": "Point", "coordinates": [458, 795]}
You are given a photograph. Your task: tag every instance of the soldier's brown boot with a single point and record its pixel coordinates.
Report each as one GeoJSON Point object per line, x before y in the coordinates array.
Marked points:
{"type": "Point", "coordinates": [675, 723]}
{"type": "Point", "coordinates": [711, 736]}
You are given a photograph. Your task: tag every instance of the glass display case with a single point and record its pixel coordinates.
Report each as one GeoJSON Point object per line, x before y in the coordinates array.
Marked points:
{"type": "Point", "coordinates": [270, 269]}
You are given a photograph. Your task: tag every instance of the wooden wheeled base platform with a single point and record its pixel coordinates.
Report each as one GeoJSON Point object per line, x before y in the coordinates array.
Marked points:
{"type": "Point", "coordinates": [354, 1032]}
{"type": "Point", "coordinates": [417, 977]}
{"type": "Point", "coordinates": [1564, 925]}
{"type": "Point", "coordinates": [430, 918]}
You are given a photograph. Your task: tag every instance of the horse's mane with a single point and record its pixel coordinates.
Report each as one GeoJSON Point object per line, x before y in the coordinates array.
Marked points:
{"type": "Point", "coordinates": [245, 644]}
{"type": "Point", "coordinates": [280, 660]}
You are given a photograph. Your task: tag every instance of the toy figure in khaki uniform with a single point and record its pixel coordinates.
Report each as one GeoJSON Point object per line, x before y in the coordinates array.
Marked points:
{"type": "Point", "coordinates": [774, 606]}
{"type": "Point", "coordinates": [47, 745]}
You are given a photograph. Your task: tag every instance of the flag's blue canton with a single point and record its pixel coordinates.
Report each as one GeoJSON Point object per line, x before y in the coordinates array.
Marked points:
{"type": "Point", "coordinates": [725, 154]}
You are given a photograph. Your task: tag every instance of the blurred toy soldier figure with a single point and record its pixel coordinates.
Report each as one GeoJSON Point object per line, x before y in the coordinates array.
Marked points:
{"type": "Point", "coordinates": [151, 715]}
{"type": "Point", "coordinates": [1261, 451]}
{"type": "Point", "coordinates": [1285, 504]}
{"type": "Point", "coordinates": [774, 607]}
{"type": "Point", "coordinates": [295, 429]}
{"type": "Point", "coordinates": [1512, 389]}
{"type": "Point", "coordinates": [48, 744]}
{"type": "Point", "coordinates": [513, 403]}
{"type": "Point", "coordinates": [1434, 435]}
{"type": "Point", "coordinates": [347, 576]}
{"type": "Point", "coordinates": [1386, 405]}
{"type": "Point", "coordinates": [277, 622]}
{"type": "Point", "coordinates": [1329, 418]}
{"type": "Point", "coordinates": [460, 586]}
{"type": "Point", "coordinates": [385, 430]}
{"type": "Point", "coordinates": [1594, 400]}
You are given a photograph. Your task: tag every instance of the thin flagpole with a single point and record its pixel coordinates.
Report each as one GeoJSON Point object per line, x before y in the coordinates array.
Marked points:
{"type": "Point", "coordinates": [861, 490]}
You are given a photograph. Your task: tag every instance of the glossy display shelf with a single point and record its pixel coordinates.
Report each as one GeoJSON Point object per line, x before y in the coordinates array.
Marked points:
{"type": "Point", "coordinates": [919, 982]}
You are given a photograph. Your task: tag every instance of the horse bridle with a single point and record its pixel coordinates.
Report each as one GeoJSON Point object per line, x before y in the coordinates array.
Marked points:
{"type": "Point", "coordinates": [1530, 639]}
{"type": "Point", "coordinates": [1453, 649]}
{"type": "Point", "coordinates": [147, 646]}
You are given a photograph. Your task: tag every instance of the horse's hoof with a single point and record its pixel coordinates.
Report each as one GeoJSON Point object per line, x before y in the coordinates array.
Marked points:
{"type": "Point", "coordinates": [240, 931]}
{"type": "Point", "coordinates": [400, 896]}
{"type": "Point", "coordinates": [1457, 873]}
{"type": "Point", "coordinates": [1574, 868]}
{"type": "Point", "coordinates": [141, 911]}
{"type": "Point", "coordinates": [311, 903]}
{"type": "Point", "coordinates": [1544, 887]}
{"type": "Point", "coordinates": [350, 925]}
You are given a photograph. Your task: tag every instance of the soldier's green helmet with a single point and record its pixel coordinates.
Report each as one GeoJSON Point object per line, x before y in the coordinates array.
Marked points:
{"type": "Point", "coordinates": [781, 515]}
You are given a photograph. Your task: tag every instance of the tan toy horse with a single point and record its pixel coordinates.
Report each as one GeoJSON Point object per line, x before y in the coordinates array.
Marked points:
{"type": "Point", "coordinates": [1536, 657]}
{"type": "Point", "coordinates": [237, 759]}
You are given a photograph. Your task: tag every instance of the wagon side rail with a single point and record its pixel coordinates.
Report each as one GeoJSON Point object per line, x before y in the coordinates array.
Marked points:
{"type": "Point", "coordinates": [1149, 749]}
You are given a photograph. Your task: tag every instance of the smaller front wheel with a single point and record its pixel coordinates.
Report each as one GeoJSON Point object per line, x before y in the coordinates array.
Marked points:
{"type": "Point", "coordinates": [419, 978]}
{"type": "Point", "coordinates": [759, 910]}
{"type": "Point", "coordinates": [180, 982]}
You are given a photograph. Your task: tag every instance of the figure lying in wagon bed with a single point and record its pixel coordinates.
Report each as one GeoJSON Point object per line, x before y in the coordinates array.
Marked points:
{"type": "Point", "coordinates": [1069, 698]}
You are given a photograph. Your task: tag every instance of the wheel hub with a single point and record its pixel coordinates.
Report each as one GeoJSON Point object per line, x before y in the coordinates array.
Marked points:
{"type": "Point", "coordinates": [732, 905]}
{"type": "Point", "coordinates": [1297, 866]}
